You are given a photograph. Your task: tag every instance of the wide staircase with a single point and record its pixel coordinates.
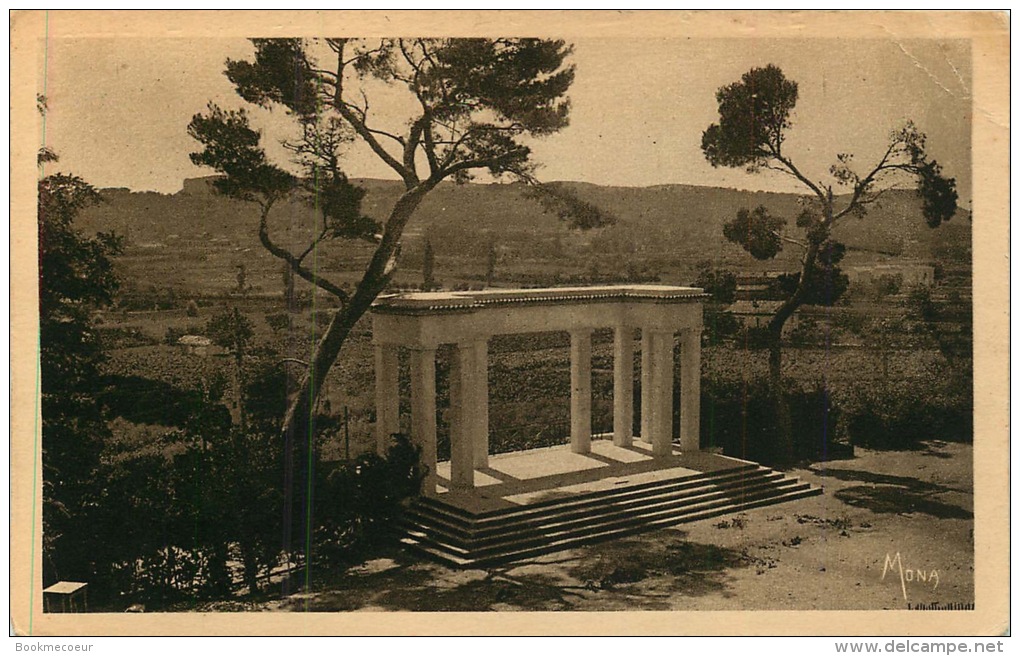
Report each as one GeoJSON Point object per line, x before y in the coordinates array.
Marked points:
{"type": "Point", "coordinates": [465, 539]}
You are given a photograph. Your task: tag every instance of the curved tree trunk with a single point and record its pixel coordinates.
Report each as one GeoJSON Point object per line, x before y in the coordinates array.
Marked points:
{"type": "Point", "coordinates": [298, 429]}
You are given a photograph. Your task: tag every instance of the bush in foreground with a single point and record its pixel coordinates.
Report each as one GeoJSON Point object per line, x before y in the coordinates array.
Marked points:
{"type": "Point", "coordinates": [739, 417]}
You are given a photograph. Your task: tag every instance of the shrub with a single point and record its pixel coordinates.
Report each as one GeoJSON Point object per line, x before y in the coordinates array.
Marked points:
{"type": "Point", "coordinates": [741, 418]}
{"type": "Point", "coordinates": [359, 501]}
{"type": "Point", "coordinates": [849, 321]}
{"type": "Point", "coordinates": [148, 401]}
{"type": "Point", "coordinates": [212, 496]}
{"type": "Point", "coordinates": [120, 338]}
{"type": "Point", "coordinates": [720, 283]}
{"type": "Point", "coordinates": [887, 285]}
{"type": "Point", "coordinates": [889, 417]}
{"type": "Point", "coordinates": [192, 310]}
{"type": "Point", "coordinates": [753, 337]}
{"type": "Point", "coordinates": [173, 334]}
{"type": "Point", "coordinates": [719, 325]}
{"type": "Point", "coordinates": [167, 576]}
{"type": "Point", "coordinates": [278, 321]}
{"type": "Point", "coordinates": [805, 332]}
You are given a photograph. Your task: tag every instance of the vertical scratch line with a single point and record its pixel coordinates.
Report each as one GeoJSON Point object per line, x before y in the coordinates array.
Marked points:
{"type": "Point", "coordinates": [38, 374]}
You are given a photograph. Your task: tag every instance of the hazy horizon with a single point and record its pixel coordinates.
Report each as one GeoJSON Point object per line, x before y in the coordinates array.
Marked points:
{"type": "Point", "coordinates": [488, 182]}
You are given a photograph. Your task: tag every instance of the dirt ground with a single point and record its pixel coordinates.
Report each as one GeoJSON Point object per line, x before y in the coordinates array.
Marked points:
{"type": "Point", "coordinates": [910, 510]}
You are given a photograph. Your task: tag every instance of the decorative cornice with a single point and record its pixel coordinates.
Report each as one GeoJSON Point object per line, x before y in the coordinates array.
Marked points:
{"type": "Point", "coordinates": [419, 303]}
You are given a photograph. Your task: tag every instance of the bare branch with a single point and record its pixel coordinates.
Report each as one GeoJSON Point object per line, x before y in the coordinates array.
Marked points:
{"type": "Point", "coordinates": [295, 262]}
{"type": "Point", "coordinates": [861, 189]}
{"type": "Point", "coordinates": [383, 133]}
{"type": "Point", "coordinates": [315, 242]}
{"type": "Point", "coordinates": [358, 123]}
{"type": "Point", "coordinates": [790, 240]}
{"type": "Point", "coordinates": [796, 172]}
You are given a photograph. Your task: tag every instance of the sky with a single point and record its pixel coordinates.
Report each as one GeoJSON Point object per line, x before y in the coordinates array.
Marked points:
{"type": "Point", "coordinates": [118, 108]}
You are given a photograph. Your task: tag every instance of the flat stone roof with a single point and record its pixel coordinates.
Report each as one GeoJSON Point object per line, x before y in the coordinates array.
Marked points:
{"type": "Point", "coordinates": [439, 302]}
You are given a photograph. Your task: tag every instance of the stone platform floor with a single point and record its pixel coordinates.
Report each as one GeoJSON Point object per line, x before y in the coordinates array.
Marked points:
{"type": "Point", "coordinates": [521, 478]}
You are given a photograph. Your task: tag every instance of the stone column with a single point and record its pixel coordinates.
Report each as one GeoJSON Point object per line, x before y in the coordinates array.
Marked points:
{"type": "Point", "coordinates": [423, 412]}
{"type": "Point", "coordinates": [662, 394]}
{"type": "Point", "coordinates": [463, 417]}
{"type": "Point", "coordinates": [580, 391]}
{"type": "Point", "coordinates": [623, 386]}
{"type": "Point", "coordinates": [690, 389]}
{"type": "Point", "coordinates": [387, 396]}
{"type": "Point", "coordinates": [481, 386]}
{"type": "Point", "coordinates": [647, 411]}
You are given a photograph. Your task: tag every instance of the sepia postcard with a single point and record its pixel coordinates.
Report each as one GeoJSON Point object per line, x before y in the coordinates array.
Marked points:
{"type": "Point", "coordinates": [509, 323]}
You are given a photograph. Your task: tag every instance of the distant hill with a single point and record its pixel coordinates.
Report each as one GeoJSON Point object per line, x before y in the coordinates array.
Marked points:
{"type": "Point", "coordinates": [672, 226]}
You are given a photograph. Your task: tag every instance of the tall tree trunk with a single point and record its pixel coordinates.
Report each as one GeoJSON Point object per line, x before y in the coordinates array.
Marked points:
{"type": "Point", "coordinates": [784, 425]}
{"type": "Point", "coordinates": [784, 446]}
{"type": "Point", "coordinates": [298, 428]}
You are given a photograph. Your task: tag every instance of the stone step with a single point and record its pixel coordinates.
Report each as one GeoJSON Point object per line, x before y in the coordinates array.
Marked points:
{"type": "Point", "coordinates": [738, 466]}
{"type": "Point", "coordinates": [452, 554]}
{"type": "Point", "coordinates": [556, 527]}
{"type": "Point", "coordinates": [607, 517]}
{"type": "Point", "coordinates": [617, 504]}
{"type": "Point", "coordinates": [459, 517]}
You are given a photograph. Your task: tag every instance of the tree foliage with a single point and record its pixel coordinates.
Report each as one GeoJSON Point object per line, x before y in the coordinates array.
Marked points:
{"type": "Point", "coordinates": [720, 283]}
{"type": "Point", "coordinates": [757, 231]}
{"type": "Point", "coordinates": [568, 207]}
{"type": "Point", "coordinates": [826, 283]}
{"type": "Point", "coordinates": [76, 279]}
{"type": "Point", "coordinates": [231, 330]}
{"type": "Point", "coordinates": [754, 120]}
{"type": "Point", "coordinates": [475, 102]}
{"type": "Point", "coordinates": [754, 115]}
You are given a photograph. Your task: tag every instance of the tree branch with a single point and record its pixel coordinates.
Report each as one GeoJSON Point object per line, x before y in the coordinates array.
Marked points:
{"type": "Point", "coordinates": [790, 240]}
{"type": "Point", "coordinates": [359, 126]}
{"type": "Point", "coordinates": [797, 174]}
{"type": "Point", "coordinates": [413, 139]}
{"type": "Point", "coordinates": [430, 150]}
{"type": "Point", "coordinates": [862, 187]}
{"type": "Point", "coordinates": [295, 262]}
{"type": "Point", "coordinates": [478, 163]}
{"type": "Point", "coordinates": [315, 242]}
